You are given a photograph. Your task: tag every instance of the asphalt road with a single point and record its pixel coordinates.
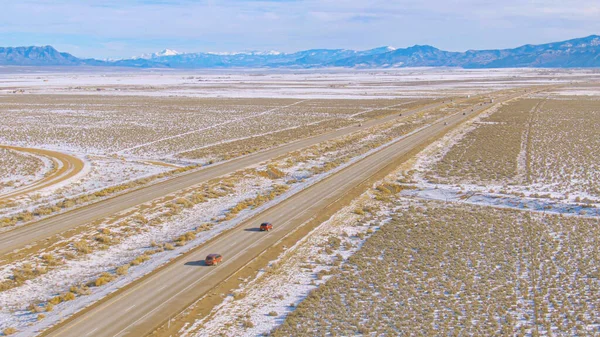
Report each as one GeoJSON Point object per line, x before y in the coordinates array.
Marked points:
{"type": "Point", "coordinates": [137, 310]}
{"type": "Point", "coordinates": [22, 236]}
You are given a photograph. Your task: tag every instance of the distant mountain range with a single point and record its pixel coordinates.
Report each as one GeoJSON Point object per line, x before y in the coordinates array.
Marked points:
{"type": "Point", "coordinates": [575, 53]}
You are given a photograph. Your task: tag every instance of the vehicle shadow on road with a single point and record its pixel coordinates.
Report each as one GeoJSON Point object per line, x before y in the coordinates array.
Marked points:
{"type": "Point", "coordinates": [252, 229]}
{"type": "Point", "coordinates": [196, 263]}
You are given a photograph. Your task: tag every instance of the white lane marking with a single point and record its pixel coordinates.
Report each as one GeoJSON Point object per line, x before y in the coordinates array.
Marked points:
{"type": "Point", "coordinates": [131, 307]}
{"type": "Point", "coordinates": [91, 332]}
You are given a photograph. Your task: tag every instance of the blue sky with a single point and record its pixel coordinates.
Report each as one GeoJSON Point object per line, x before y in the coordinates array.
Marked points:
{"type": "Point", "coordinates": [115, 29]}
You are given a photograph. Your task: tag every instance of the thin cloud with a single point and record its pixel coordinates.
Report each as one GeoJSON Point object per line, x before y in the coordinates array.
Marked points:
{"type": "Point", "coordinates": [124, 28]}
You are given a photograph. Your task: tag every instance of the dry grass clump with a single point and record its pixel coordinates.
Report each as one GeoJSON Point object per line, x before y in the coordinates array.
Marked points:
{"type": "Point", "coordinates": [462, 270]}
{"type": "Point", "coordinates": [51, 260]}
{"type": "Point", "coordinates": [9, 331]}
{"type": "Point", "coordinates": [271, 172]}
{"type": "Point", "coordinates": [140, 259]}
{"type": "Point", "coordinates": [103, 279]}
{"type": "Point", "coordinates": [68, 296]}
{"type": "Point", "coordinates": [384, 191]}
{"type": "Point", "coordinates": [82, 247]}
{"type": "Point", "coordinates": [122, 270]}
{"type": "Point", "coordinates": [24, 272]}
{"type": "Point", "coordinates": [80, 290]}
{"type": "Point", "coordinates": [184, 238]}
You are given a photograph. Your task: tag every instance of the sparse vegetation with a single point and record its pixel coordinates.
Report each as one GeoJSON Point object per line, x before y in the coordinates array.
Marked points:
{"type": "Point", "coordinates": [9, 331]}
{"type": "Point", "coordinates": [443, 266]}
{"type": "Point", "coordinates": [489, 153]}
{"type": "Point", "coordinates": [122, 270]}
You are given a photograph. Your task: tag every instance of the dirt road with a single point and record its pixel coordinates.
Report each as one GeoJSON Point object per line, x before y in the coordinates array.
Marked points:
{"type": "Point", "coordinates": [65, 167]}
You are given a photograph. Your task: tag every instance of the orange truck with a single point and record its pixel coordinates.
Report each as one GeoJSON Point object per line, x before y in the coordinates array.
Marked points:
{"type": "Point", "coordinates": [213, 259]}
{"type": "Point", "coordinates": [266, 226]}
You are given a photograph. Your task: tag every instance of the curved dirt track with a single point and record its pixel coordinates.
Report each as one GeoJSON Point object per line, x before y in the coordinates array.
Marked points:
{"type": "Point", "coordinates": [65, 167]}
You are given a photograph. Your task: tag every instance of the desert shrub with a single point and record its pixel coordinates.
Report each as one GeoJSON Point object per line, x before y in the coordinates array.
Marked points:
{"type": "Point", "coordinates": [239, 295]}
{"type": "Point", "coordinates": [50, 259]}
{"type": "Point", "coordinates": [82, 247]}
{"type": "Point", "coordinates": [23, 273]}
{"type": "Point", "coordinates": [55, 300]}
{"type": "Point", "coordinates": [35, 308]}
{"type": "Point", "coordinates": [105, 239]}
{"type": "Point", "coordinates": [80, 290]}
{"type": "Point", "coordinates": [105, 231]}
{"type": "Point", "coordinates": [184, 202]}
{"type": "Point", "coordinates": [68, 297]}
{"type": "Point", "coordinates": [188, 236]}
{"type": "Point", "coordinates": [9, 331]}
{"type": "Point", "coordinates": [140, 259]}
{"type": "Point", "coordinates": [122, 270]}
{"type": "Point", "coordinates": [104, 278]}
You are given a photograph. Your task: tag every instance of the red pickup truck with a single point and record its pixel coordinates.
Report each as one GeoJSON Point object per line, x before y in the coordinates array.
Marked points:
{"type": "Point", "coordinates": [266, 226]}
{"type": "Point", "coordinates": [213, 259]}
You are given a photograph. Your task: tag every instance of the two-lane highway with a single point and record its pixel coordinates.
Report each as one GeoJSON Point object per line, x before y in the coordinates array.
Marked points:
{"type": "Point", "coordinates": [137, 310]}
{"type": "Point", "coordinates": [30, 233]}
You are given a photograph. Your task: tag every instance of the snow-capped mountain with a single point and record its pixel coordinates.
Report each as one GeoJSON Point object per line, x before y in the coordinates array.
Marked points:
{"type": "Point", "coordinates": [270, 52]}
{"type": "Point", "coordinates": [581, 52]}
{"type": "Point", "coordinates": [162, 53]}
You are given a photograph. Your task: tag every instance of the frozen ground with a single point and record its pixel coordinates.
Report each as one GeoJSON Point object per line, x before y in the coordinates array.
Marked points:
{"type": "Point", "coordinates": [21, 169]}
{"type": "Point", "coordinates": [116, 159]}
{"type": "Point", "coordinates": [99, 173]}
{"type": "Point", "coordinates": [417, 82]}
{"type": "Point", "coordinates": [531, 288]}
{"type": "Point", "coordinates": [534, 153]}
{"type": "Point", "coordinates": [126, 236]}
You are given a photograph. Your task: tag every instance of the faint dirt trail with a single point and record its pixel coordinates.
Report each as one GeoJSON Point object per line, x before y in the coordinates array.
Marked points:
{"type": "Point", "coordinates": [65, 167]}
{"type": "Point", "coordinates": [527, 146]}
{"type": "Point", "coordinates": [210, 127]}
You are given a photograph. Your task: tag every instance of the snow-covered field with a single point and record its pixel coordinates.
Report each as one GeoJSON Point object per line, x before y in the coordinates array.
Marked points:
{"type": "Point", "coordinates": [21, 169]}
{"type": "Point", "coordinates": [542, 149]}
{"type": "Point", "coordinates": [99, 173]}
{"type": "Point", "coordinates": [154, 231]}
{"type": "Point", "coordinates": [128, 126]}
{"type": "Point", "coordinates": [122, 139]}
{"type": "Point", "coordinates": [323, 84]}
{"type": "Point", "coordinates": [448, 268]}
{"type": "Point", "coordinates": [479, 253]}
